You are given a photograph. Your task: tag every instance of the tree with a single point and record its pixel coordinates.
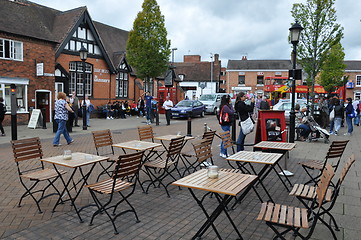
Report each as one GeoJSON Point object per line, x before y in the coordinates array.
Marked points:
{"type": "Point", "coordinates": [332, 69]}
{"type": "Point", "coordinates": [321, 32]}
{"type": "Point", "coordinates": [148, 48]}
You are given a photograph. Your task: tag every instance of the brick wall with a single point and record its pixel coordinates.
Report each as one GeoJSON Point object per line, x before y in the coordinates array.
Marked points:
{"type": "Point", "coordinates": [34, 51]}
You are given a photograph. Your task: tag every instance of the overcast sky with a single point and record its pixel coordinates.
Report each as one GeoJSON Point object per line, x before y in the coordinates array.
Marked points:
{"type": "Point", "coordinates": [231, 28]}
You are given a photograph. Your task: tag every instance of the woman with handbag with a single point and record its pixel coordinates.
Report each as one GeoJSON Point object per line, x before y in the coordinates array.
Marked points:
{"type": "Point", "coordinates": [244, 112]}
{"type": "Point", "coordinates": [226, 117]}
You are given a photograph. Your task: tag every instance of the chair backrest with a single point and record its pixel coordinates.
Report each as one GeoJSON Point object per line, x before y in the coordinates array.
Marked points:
{"type": "Point", "coordinates": [209, 136]}
{"type": "Point", "coordinates": [324, 183]}
{"type": "Point", "coordinates": [175, 146]}
{"type": "Point", "coordinates": [26, 149]}
{"type": "Point", "coordinates": [202, 150]}
{"type": "Point", "coordinates": [128, 165]}
{"type": "Point", "coordinates": [145, 133]}
{"type": "Point", "coordinates": [336, 151]}
{"type": "Point", "coordinates": [226, 139]}
{"type": "Point", "coordinates": [346, 168]}
{"type": "Point", "coordinates": [103, 139]}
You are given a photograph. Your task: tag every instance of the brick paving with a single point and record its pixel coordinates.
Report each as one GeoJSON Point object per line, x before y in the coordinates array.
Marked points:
{"type": "Point", "coordinates": [178, 217]}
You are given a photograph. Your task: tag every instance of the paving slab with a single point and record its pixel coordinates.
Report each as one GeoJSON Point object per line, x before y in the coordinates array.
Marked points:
{"type": "Point", "coordinates": [178, 217]}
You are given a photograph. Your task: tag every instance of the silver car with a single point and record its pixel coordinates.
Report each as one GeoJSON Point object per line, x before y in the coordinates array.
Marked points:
{"type": "Point", "coordinates": [286, 106]}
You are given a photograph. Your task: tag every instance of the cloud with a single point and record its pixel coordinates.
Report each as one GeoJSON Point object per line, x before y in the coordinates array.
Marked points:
{"type": "Point", "coordinates": [231, 28]}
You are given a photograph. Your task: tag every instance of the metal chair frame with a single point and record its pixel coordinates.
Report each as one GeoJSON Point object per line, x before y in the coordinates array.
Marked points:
{"type": "Point", "coordinates": [335, 151]}
{"type": "Point", "coordinates": [125, 176]}
{"type": "Point", "coordinates": [293, 219]}
{"type": "Point", "coordinates": [30, 149]}
{"type": "Point", "coordinates": [163, 168]}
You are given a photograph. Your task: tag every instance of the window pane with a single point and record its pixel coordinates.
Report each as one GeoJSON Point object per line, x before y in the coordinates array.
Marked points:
{"type": "Point", "coordinates": [72, 45]}
{"type": "Point", "coordinates": [7, 48]}
{"type": "Point", "coordinates": [259, 79]}
{"type": "Point", "coordinates": [1, 48]}
{"type": "Point", "coordinates": [96, 50]}
{"type": "Point", "coordinates": [241, 79]}
{"type": "Point", "coordinates": [18, 51]}
{"type": "Point", "coordinates": [81, 33]}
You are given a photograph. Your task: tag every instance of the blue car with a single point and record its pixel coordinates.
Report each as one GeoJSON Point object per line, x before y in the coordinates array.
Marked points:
{"type": "Point", "coordinates": [188, 108]}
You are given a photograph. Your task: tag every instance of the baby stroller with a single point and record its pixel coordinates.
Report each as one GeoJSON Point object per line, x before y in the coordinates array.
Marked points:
{"type": "Point", "coordinates": [317, 133]}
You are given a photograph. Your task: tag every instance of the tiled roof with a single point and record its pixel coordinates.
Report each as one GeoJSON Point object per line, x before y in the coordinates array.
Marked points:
{"type": "Point", "coordinates": [114, 40]}
{"type": "Point", "coordinates": [25, 18]}
{"type": "Point", "coordinates": [259, 64]}
{"type": "Point", "coordinates": [353, 65]}
{"type": "Point", "coordinates": [197, 71]}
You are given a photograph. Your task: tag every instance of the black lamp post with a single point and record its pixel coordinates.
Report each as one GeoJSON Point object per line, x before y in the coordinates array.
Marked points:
{"type": "Point", "coordinates": [295, 31]}
{"type": "Point", "coordinates": [83, 56]}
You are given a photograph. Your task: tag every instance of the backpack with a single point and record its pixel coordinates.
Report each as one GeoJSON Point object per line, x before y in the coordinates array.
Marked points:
{"type": "Point", "coordinates": [91, 108]}
{"type": "Point", "coordinates": [224, 118]}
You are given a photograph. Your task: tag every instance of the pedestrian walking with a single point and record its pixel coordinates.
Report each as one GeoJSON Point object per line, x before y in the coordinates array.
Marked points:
{"type": "Point", "coordinates": [339, 113]}
{"type": "Point", "coordinates": [324, 111]}
{"type": "Point", "coordinates": [148, 106]}
{"type": "Point", "coordinates": [74, 100]}
{"type": "Point", "coordinates": [2, 115]}
{"type": "Point", "coordinates": [167, 105]}
{"type": "Point", "coordinates": [350, 114]}
{"type": "Point", "coordinates": [226, 118]}
{"type": "Point", "coordinates": [244, 112]}
{"type": "Point", "coordinates": [61, 116]}
{"type": "Point", "coordinates": [357, 107]}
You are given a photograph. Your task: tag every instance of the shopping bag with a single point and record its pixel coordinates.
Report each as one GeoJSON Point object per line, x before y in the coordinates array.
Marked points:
{"type": "Point", "coordinates": [247, 126]}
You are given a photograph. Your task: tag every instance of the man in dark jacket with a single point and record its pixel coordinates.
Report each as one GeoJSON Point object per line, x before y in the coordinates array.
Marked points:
{"type": "Point", "coordinates": [349, 115]}
{"type": "Point", "coordinates": [244, 112]}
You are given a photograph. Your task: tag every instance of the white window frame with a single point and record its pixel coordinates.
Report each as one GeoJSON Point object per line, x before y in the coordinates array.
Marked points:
{"type": "Point", "coordinates": [76, 78]}
{"type": "Point", "coordinates": [5, 84]}
{"type": "Point", "coordinates": [15, 50]}
{"type": "Point", "coordinates": [358, 81]}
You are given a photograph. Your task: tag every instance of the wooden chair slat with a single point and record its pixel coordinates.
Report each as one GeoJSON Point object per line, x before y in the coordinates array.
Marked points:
{"type": "Point", "coordinates": [297, 217]}
{"type": "Point", "coordinates": [304, 218]}
{"type": "Point", "coordinates": [269, 212]}
{"type": "Point", "coordinates": [290, 212]}
{"type": "Point", "coordinates": [283, 214]}
{"type": "Point", "coordinates": [276, 213]}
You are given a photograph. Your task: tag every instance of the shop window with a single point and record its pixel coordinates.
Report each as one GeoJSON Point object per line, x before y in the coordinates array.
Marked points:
{"type": "Point", "coordinates": [76, 78]}
{"type": "Point", "coordinates": [241, 79]}
{"type": "Point", "coordinates": [21, 98]}
{"type": "Point", "coordinates": [260, 80]}
{"type": "Point", "coordinates": [12, 50]}
{"type": "Point", "coordinates": [357, 95]}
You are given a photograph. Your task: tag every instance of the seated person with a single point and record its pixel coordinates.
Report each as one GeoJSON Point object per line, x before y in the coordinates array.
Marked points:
{"type": "Point", "coordinates": [301, 122]}
{"type": "Point", "coordinates": [109, 112]}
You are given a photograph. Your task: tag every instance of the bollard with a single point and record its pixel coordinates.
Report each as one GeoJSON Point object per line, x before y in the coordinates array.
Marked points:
{"type": "Point", "coordinates": [43, 112]}
{"type": "Point", "coordinates": [234, 128]}
{"type": "Point", "coordinates": [205, 127]}
{"type": "Point", "coordinates": [189, 126]}
{"type": "Point", "coordinates": [156, 116]}
{"type": "Point", "coordinates": [14, 124]}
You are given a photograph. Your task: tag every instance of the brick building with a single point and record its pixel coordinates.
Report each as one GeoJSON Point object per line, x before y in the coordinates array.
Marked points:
{"type": "Point", "coordinates": [39, 52]}
{"type": "Point", "coordinates": [198, 77]}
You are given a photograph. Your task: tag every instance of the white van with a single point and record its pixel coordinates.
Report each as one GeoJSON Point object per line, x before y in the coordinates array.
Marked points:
{"type": "Point", "coordinates": [212, 101]}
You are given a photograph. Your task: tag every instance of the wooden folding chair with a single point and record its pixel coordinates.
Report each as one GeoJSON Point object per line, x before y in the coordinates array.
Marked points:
{"type": "Point", "coordinates": [227, 140]}
{"type": "Point", "coordinates": [209, 136]}
{"type": "Point", "coordinates": [295, 218]}
{"type": "Point", "coordinates": [306, 193]}
{"type": "Point", "coordinates": [158, 169]}
{"type": "Point", "coordinates": [334, 154]}
{"type": "Point", "coordinates": [203, 152]}
{"type": "Point", "coordinates": [103, 142]}
{"type": "Point", "coordinates": [125, 176]}
{"type": "Point", "coordinates": [30, 150]}
{"type": "Point", "coordinates": [145, 134]}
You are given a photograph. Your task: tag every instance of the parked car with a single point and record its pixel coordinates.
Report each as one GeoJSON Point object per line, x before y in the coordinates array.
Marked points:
{"type": "Point", "coordinates": [286, 106]}
{"type": "Point", "coordinates": [211, 101]}
{"type": "Point", "coordinates": [188, 108]}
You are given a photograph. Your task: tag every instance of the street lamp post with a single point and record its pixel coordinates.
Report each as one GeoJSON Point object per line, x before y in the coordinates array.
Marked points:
{"type": "Point", "coordinates": [295, 31]}
{"type": "Point", "coordinates": [173, 49]}
{"type": "Point", "coordinates": [83, 56]}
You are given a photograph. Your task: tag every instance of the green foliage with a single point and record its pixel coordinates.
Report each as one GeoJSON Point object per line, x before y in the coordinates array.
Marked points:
{"type": "Point", "coordinates": [321, 32]}
{"type": "Point", "coordinates": [332, 69]}
{"type": "Point", "coordinates": [148, 48]}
